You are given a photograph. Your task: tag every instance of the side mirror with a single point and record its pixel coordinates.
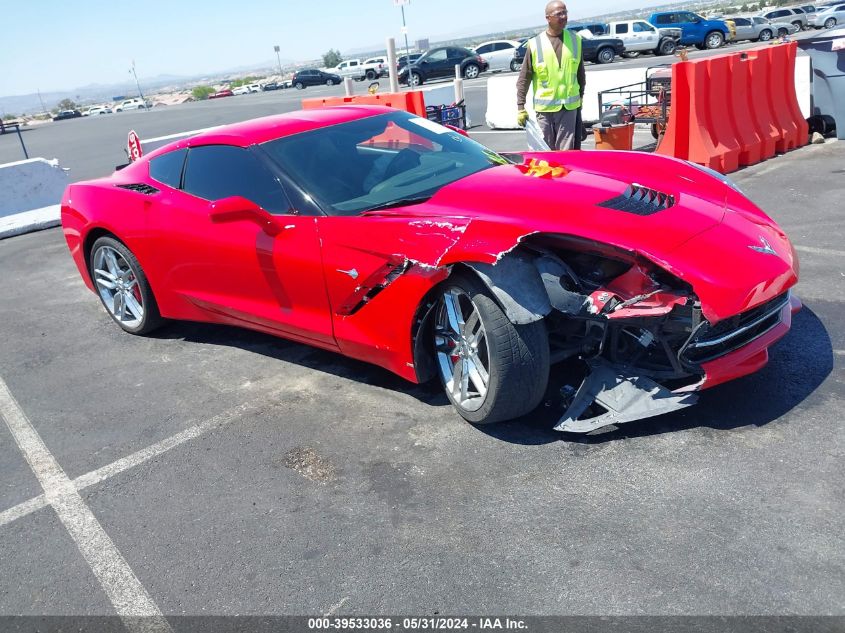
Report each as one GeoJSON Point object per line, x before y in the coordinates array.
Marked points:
{"type": "Point", "coordinates": [238, 208]}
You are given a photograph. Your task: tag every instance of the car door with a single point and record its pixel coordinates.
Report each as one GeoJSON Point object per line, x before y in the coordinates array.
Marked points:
{"type": "Point", "coordinates": [436, 64]}
{"type": "Point", "coordinates": [262, 269]}
{"type": "Point", "coordinates": [743, 29]}
{"type": "Point", "coordinates": [646, 36]}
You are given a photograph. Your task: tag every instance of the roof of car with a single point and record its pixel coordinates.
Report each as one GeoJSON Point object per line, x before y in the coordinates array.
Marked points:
{"type": "Point", "coordinates": [267, 128]}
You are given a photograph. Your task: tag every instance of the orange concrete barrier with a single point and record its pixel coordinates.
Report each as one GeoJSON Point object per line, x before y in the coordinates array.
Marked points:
{"type": "Point", "coordinates": [736, 109]}
{"type": "Point", "coordinates": [411, 101]}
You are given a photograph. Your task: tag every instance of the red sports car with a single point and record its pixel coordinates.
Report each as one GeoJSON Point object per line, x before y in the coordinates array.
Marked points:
{"type": "Point", "coordinates": [392, 239]}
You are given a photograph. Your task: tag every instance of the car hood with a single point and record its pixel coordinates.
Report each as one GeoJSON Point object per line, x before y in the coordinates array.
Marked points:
{"type": "Point", "coordinates": [583, 194]}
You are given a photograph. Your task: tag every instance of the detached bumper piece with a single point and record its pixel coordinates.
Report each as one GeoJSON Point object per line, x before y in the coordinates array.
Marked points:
{"type": "Point", "coordinates": [624, 398]}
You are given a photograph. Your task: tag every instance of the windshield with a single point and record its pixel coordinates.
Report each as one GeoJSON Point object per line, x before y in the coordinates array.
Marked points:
{"type": "Point", "coordinates": [395, 158]}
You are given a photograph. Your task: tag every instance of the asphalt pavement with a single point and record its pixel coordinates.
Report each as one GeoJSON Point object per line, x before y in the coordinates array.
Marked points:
{"type": "Point", "coordinates": [231, 472]}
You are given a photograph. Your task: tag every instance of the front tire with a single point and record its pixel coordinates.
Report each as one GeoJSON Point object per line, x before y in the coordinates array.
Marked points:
{"type": "Point", "coordinates": [329, 82]}
{"type": "Point", "coordinates": [830, 23]}
{"type": "Point", "coordinates": [668, 47]}
{"type": "Point", "coordinates": [714, 39]}
{"type": "Point", "coordinates": [415, 79]}
{"type": "Point", "coordinates": [123, 287]}
{"type": "Point", "coordinates": [783, 32]}
{"type": "Point", "coordinates": [765, 35]}
{"type": "Point", "coordinates": [491, 369]}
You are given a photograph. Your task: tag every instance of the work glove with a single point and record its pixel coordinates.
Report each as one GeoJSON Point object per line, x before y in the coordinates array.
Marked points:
{"type": "Point", "coordinates": [521, 118]}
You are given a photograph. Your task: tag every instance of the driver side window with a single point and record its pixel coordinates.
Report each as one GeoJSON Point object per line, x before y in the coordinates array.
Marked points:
{"type": "Point", "coordinates": [214, 172]}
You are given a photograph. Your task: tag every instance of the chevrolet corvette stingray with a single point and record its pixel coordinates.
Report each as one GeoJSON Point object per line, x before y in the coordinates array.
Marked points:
{"type": "Point", "coordinates": [391, 239]}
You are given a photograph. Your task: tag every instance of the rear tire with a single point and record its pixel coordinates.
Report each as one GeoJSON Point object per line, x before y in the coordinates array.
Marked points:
{"type": "Point", "coordinates": [299, 85]}
{"type": "Point", "coordinates": [631, 54]}
{"type": "Point", "coordinates": [123, 287]}
{"type": "Point", "coordinates": [515, 66]}
{"type": "Point", "coordinates": [605, 55]}
{"type": "Point", "coordinates": [491, 369]}
{"type": "Point", "coordinates": [471, 71]}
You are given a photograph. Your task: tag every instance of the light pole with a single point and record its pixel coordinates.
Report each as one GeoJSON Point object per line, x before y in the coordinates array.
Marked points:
{"type": "Point", "coordinates": [278, 59]}
{"type": "Point", "coordinates": [137, 83]}
{"type": "Point", "coordinates": [401, 4]}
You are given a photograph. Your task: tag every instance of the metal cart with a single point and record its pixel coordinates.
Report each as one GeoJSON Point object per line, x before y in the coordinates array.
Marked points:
{"type": "Point", "coordinates": [644, 102]}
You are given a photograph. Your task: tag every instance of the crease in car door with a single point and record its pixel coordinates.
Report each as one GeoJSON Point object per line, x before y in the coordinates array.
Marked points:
{"type": "Point", "coordinates": [263, 271]}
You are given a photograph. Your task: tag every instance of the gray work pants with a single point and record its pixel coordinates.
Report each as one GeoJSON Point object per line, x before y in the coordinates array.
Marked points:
{"type": "Point", "coordinates": [559, 128]}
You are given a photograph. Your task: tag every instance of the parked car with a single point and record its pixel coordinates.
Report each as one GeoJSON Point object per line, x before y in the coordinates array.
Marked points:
{"type": "Point", "coordinates": [695, 30]}
{"type": "Point", "coordinates": [441, 62]}
{"type": "Point", "coordinates": [375, 67]}
{"type": "Point", "coordinates": [639, 36]}
{"type": "Point", "coordinates": [246, 89]}
{"type": "Point", "coordinates": [97, 110]}
{"type": "Point", "coordinates": [67, 114]}
{"type": "Point", "coordinates": [313, 77]}
{"type": "Point", "coordinates": [828, 17]}
{"type": "Point", "coordinates": [221, 93]}
{"type": "Point", "coordinates": [132, 104]}
{"type": "Point", "coordinates": [793, 15]}
{"type": "Point", "coordinates": [497, 53]}
{"type": "Point", "coordinates": [752, 28]}
{"type": "Point", "coordinates": [271, 85]}
{"type": "Point", "coordinates": [598, 50]}
{"type": "Point", "coordinates": [438, 258]}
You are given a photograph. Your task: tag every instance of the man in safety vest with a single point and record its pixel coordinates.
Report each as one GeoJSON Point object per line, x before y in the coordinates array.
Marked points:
{"type": "Point", "coordinates": [554, 67]}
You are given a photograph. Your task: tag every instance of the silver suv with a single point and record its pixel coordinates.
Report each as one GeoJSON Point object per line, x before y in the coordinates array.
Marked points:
{"type": "Point", "coordinates": [794, 16]}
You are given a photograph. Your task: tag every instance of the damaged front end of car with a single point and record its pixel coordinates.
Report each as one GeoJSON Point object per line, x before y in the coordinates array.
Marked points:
{"type": "Point", "coordinates": [636, 329]}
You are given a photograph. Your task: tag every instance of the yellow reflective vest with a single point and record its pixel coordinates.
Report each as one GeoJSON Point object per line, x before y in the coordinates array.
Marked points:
{"type": "Point", "coordinates": [555, 84]}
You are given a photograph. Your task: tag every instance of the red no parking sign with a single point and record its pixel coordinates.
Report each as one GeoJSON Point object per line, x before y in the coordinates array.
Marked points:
{"type": "Point", "coordinates": [134, 146]}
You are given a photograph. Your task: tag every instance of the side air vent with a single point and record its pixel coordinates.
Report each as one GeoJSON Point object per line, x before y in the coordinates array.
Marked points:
{"type": "Point", "coordinates": [640, 201]}
{"type": "Point", "coordinates": [140, 188]}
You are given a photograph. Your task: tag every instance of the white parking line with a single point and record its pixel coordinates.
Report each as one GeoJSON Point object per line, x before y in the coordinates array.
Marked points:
{"type": "Point", "coordinates": [124, 590]}
{"type": "Point", "coordinates": [819, 251]}
{"type": "Point", "coordinates": [130, 461]}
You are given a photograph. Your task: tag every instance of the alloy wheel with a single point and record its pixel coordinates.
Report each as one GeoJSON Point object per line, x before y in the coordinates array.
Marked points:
{"type": "Point", "coordinates": [463, 356]}
{"type": "Point", "coordinates": [117, 284]}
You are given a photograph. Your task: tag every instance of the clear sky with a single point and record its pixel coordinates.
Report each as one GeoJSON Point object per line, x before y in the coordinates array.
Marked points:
{"type": "Point", "coordinates": [60, 45]}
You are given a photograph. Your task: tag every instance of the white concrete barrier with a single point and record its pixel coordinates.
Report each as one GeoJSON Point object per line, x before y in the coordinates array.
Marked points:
{"type": "Point", "coordinates": [30, 195]}
{"type": "Point", "coordinates": [31, 184]}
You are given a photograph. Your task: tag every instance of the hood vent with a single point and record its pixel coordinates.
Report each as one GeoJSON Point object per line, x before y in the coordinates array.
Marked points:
{"type": "Point", "coordinates": [640, 201]}
{"type": "Point", "coordinates": [140, 188]}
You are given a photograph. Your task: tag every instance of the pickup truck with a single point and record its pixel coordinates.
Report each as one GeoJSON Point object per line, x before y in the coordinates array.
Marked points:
{"type": "Point", "coordinates": [599, 50]}
{"type": "Point", "coordinates": [359, 71]}
{"type": "Point", "coordinates": [641, 37]}
{"type": "Point", "coordinates": [695, 30]}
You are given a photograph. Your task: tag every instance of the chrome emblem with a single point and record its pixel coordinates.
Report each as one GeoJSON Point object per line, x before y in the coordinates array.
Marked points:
{"type": "Point", "coordinates": [352, 273]}
{"type": "Point", "coordinates": [766, 248]}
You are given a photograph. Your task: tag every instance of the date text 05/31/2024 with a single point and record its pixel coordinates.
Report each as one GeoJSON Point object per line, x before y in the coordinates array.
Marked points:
{"type": "Point", "coordinates": [432, 623]}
